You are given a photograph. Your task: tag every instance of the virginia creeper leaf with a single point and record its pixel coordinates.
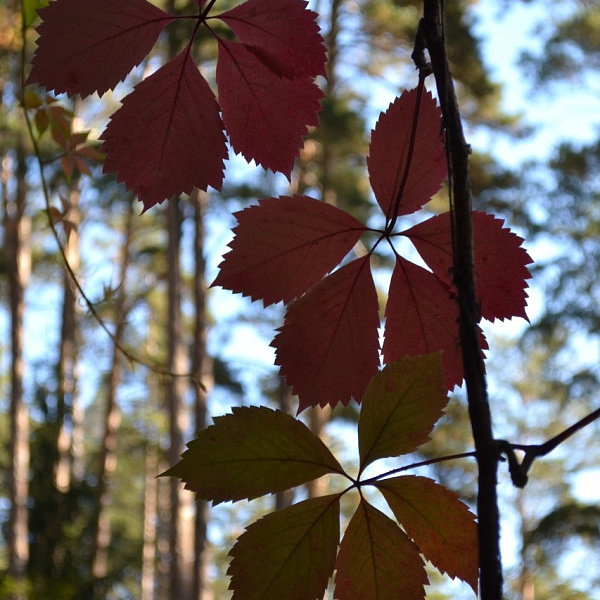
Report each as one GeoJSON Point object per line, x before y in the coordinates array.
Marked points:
{"type": "Point", "coordinates": [252, 452]}
{"type": "Point", "coordinates": [400, 408]}
{"type": "Point", "coordinates": [389, 154]}
{"type": "Point", "coordinates": [439, 523]}
{"type": "Point", "coordinates": [283, 35]}
{"type": "Point", "coordinates": [328, 346]}
{"type": "Point", "coordinates": [88, 46]}
{"type": "Point", "coordinates": [284, 245]}
{"type": "Point", "coordinates": [500, 270]}
{"type": "Point", "coordinates": [289, 553]}
{"type": "Point", "coordinates": [422, 317]}
{"type": "Point", "coordinates": [265, 115]}
{"type": "Point", "coordinates": [167, 137]}
{"type": "Point", "coordinates": [377, 561]}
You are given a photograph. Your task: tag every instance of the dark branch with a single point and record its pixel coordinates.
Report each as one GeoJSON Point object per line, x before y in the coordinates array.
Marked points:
{"type": "Point", "coordinates": [433, 38]}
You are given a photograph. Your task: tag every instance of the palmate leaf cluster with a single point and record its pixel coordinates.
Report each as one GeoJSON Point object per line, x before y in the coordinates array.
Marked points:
{"type": "Point", "coordinates": [294, 551]}
{"type": "Point", "coordinates": [169, 137]}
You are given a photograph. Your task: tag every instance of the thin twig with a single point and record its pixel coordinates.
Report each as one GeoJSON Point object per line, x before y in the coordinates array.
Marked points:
{"type": "Point", "coordinates": [155, 368]}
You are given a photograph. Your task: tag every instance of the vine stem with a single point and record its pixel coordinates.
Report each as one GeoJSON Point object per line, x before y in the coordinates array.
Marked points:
{"type": "Point", "coordinates": [458, 151]}
{"type": "Point", "coordinates": [133, 358]}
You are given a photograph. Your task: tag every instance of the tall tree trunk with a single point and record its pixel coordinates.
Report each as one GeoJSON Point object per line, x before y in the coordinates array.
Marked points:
{"type": "Point", "coordinates": [112, 419]}
{"type": "Point", "coordinates": [181, 566]}
{"type": "Point", "coordinates": [67, 360]}
{"type": "Point", "coordinates": [150, 517]}
{"type": "Point", "coordinates": [16, 229]}
{"type": "Point", "coordinates": [202, 369]}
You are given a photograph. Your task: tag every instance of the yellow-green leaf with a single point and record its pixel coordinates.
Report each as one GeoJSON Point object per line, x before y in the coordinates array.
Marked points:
{"type": "Point", "coordinates": [252, 452]}
{"type": "Point", "coordinates": [289, 554]}
{"type": "Point", "coordinates": [377, 561]}
{"type": "Point", "coordinates": [440, 524]}
{"type": "Point", "coordinates": [400, 407]}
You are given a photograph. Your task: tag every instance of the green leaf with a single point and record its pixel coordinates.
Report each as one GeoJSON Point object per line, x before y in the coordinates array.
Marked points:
{"type": "Point", "coordinates": [439, 523]}
{"type": "Point", "coordinates": [377, 561]}
{"type": "Point", "coordinates": [30, 8]}
{"type": "Point", "coordinates": [289, 554]}
{"type": "Point", "coordinates": [400, 407]}
{"type": "Point", "coordinates": [252, 452]}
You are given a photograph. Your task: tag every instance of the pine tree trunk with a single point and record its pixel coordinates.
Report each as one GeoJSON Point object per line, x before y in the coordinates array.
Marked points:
{"type": "Point", "coordinates": [16, 231]}
{"type": "Point", "coordinates": [150, 518]}
{"type": "Point", "coordinates": [181, 528]}
{"type": "Point", "coordinates": [202, 369]}
{"type": "Point", "coordinates": [112, 419]}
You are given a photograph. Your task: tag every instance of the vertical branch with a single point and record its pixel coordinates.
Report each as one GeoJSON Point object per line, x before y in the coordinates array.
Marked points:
{"type": "Point", "coordinates": [432, 28]}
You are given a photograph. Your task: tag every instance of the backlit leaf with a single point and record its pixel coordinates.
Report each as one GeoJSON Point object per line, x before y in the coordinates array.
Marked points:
{"type": "Point", "coordinates": [377, 561]}
{"type": "Point", "coordinates": [328, 345]}
{"type": "Point", "coordinates": [252, 452]}
{"type": "Point", "coordinates": [88, 46]}
{"type": "Point", "coordinates": [266, 115]}
{"type": "Point", "coordinates": [439, 523]}
{"type": "Point", "coordinates": [422, 317]}
{"type": "Point", "coordinates": [289, 553]}
{"type": "Point", "coordinates": [500, 262]}
{"type": "Point", "coordinates": [283, 35]}
{"type": "Point", "coordinates": [400, 408]}
{"type": "Point", "coordinates": [389, 154]}
{"type": "Point", "coordinates": [168, 136]}
{"type": "Point", "coordinates": [284, 245]}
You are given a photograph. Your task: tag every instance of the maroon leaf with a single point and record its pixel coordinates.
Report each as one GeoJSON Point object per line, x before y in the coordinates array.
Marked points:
{"type": "Point", "coordinates": [167, 137]}
{"type": "Point", "coordinates": [283, 35]}
{"type": "Point", "coordinates": [500, 262]}
{"type": "Point", "coordinates": [284, 245]}
{"type": "Point", "coordinates": [91, 45]}
{"type": "Point", "coordinates": [328, 347]}
{"type": "Point", "coordinates": [389, 154]}
{"type": "Point", "coordinates": [422, 317]}
{"type": "Point", "coordinates": [266, 116]}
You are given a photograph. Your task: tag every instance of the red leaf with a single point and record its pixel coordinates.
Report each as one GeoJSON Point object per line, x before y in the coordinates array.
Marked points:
{"type": "Point", "coordinates": [422, 317]}
{"type": "Point", "coordinates": [388, 154]}
{"type": "Point", "coordinates": [377, 561]}
{"type": "Point", "coordinates": [441, 526]}
{"type": "Point", "coordinates": [500, 261]}
{"type": "Point", "coordinates": [91, 45]}
{"type": "Point", "coordinates": [265, 115]}
{"type": "Point", "coordinates": [282, 34]}
{"type": "Point", "coordinates": [284, 245]}
{"type": "Point", "coordinates": [167, 137]}
{"type": "Point", "coordinates": [328, 346]}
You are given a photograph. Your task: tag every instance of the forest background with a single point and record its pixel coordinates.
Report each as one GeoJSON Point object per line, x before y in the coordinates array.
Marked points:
{"type": "Point", "coordinates": [90, 427]}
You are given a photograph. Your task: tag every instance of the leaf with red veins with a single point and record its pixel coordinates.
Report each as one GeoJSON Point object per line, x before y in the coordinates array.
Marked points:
{"type": "Point", "coordinates": [283, 34]}
{"type": "Point", "coordinates": [88, 46]}
{"type": "Point", "coordinates": [285, 245]}
{"type": "Point", "coordinates": [422, 317]}
{"type": "Point", "coordinates": [389, 155]}
{"type": "Point", "coordinates": [328, 345]}
{"type": "Point", "coordinates": [265, 115]}
{"type": "Point", "coordinates": [167, 138]}
{"type": "Point", "coordinates": [500, 262]}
